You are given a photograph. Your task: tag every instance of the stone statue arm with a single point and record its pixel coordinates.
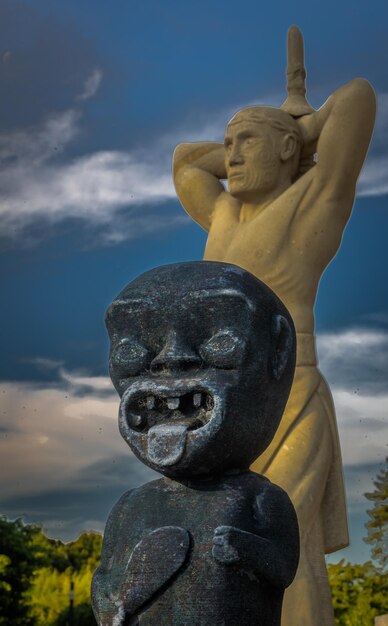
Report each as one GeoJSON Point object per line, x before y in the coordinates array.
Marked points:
{"type": "Point", "coordinates": [341, 131]}
{"type": "Point", "coordinates": [271, 554]}
{"type": "Point", "coordinates": [198, 169]}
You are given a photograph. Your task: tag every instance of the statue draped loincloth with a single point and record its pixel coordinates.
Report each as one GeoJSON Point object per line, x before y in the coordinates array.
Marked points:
{"type": "Point", "coordinates": [309, 384]}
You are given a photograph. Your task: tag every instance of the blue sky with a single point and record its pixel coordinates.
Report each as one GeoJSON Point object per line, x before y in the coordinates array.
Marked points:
{"type": "Point", "coordinates": [95, 96]}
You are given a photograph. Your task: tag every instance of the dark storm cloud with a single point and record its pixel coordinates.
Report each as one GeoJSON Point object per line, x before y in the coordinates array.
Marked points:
{"type": "Point", "coordinates": [123, 472]}
{"type": "Point", "coordinates": [86, 503]}
{"type": "Point", "coordinates": [44, 64]}
{"type": "Point", "coordinates": [356, 359]}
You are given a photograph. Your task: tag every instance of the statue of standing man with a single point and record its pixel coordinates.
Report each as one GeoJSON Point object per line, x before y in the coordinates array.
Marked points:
{"type": "Point", "coordinates": [292, 174]}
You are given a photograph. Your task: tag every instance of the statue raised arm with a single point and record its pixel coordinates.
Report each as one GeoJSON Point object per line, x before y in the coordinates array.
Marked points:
{"type": "Point", "coordinates": [340, 131]}
{"type": "Point", "coordinates": [292, 175]}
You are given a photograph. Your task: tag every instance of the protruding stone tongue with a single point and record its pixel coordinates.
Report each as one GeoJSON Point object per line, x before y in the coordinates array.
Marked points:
{"type": "Point", "coordinates": [166, 443]}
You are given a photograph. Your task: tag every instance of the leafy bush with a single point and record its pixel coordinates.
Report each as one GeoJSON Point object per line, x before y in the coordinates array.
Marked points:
{"type": "Point", "coordinates": [36, 572]}
{"type": "Point", "coordinates": [359, 592]}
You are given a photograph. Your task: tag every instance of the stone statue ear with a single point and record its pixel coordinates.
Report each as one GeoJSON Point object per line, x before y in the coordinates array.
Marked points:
{"type": "Point", "coordinates": [282, 345]}
{"type": "Point", "coordinates": [288, 147]}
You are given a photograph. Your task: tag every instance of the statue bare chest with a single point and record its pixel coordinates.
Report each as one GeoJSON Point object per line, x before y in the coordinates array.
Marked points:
{"type": "Point", "coordinates": [259, 245]}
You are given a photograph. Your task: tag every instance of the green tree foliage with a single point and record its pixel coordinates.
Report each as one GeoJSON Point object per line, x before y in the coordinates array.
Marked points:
{"type": "Point", "coordinates": [85, 552]}
{"type": "Point", "coordinates": [35, 575]}
{"type": "Point", "coordinates": [377, 526]}
{"type": "Point", "coordinates": [359, 592]}
{"type": "Point", "coordinates": [49, 592]}
{"type": "Point", "coordinates": [49, 595]}
{"type": "Point", "coordinates": [18, 560]}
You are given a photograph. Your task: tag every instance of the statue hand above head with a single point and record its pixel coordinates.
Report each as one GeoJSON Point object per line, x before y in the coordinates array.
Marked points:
{"type": "Point", "coordinates": [296, 103]}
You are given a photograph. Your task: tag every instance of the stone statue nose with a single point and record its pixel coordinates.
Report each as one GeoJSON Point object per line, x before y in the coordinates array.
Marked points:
{"type": "Point", "coordinates": [175, 355]}
{"type": "Point", "coordinates": [236, 157]}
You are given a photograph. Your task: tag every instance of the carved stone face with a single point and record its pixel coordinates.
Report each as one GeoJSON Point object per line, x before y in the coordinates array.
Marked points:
{"type": "Point", "coordinates": [252, 159]}
{"type": "Point", "coordinates": [202, 355]}
{"type": "Point", "coordinates": [256, 150]}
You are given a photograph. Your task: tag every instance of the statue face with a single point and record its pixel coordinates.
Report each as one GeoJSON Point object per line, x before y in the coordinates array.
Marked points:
{"type": "Point", "coordinates": [252, 158]}
{"type": "Point", "coordinates": [192, 359]}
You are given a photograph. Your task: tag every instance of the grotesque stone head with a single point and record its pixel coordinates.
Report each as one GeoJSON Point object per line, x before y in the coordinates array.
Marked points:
{"type": "Point", "coordinates": [202, 355]}
{"type": "Point", "coordinates": [262, 150]}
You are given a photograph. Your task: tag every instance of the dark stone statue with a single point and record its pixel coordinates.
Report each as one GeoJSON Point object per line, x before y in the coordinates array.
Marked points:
{"type": "Point", "coordinates": [202, 356]}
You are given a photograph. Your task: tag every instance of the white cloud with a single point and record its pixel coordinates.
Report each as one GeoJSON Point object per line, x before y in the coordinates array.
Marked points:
{"type": "Point", "coordinates": [78, 381]}
{"type": "Point", "coordinates": [91, 85]}
{"type": "Point", "coordinates": [355, 363]}
{"type": "Point", "coordinates": [333, 344]}
{"type": "Point", "coordinates": [94, 187]}
{"type": "Point", "coordinates": [36, 185]}
{"type": "Point", "coordinates": [49, 435]}
{"type": "Point", "coordinates": [356, 359]}
{"type": "Point", "coordinates": [44, 363]}
{"type": "Point", "coordinates": [352, 344]}
{"type": "Point", "coordinates": [363, 424]}
{"type": "Point", "coordinates": [32, 147]}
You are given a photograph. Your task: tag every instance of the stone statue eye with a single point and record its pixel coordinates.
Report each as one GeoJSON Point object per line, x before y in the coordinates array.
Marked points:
{"type": "Point", "coordinates": [224, 349]}
{"type": "Point", "coordinates": [129, 358]}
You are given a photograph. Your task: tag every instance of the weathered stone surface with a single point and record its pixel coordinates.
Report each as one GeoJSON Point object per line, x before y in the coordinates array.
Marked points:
{"type": "Point", "coordinates": [202, 356]}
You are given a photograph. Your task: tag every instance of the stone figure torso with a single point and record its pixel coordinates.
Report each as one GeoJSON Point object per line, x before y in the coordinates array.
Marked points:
{"type": "Point", "coordinates": [238, 596]}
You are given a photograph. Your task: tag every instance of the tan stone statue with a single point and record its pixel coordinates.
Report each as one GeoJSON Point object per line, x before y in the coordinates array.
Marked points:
{"type": "Point", "coordinates": [292, 174]}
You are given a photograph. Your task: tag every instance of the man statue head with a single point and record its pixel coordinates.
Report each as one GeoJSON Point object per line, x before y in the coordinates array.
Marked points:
{"type": "Point", "coordinates": [262, 152]}
{"type": "Point", "coordinates": [202, 355]}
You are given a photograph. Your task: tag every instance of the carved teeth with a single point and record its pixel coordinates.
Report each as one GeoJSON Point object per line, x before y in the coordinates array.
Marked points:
{"type": "Point", "coordinates": [136, 420]}
{"type": "Point", "coordinates": [150, 402]}
{"type": "Point", "coordinates": [197, 399]}
{"type": "Point", "coordinates": [173, 403]}
{"type": "Point", "coordinates": [186, 403]}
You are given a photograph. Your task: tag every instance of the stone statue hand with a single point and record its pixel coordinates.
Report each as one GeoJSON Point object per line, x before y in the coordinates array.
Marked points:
{"type": "Point", "coordinates": [228, 543]}
{"type": "Point", "coordinates": [266, 557]}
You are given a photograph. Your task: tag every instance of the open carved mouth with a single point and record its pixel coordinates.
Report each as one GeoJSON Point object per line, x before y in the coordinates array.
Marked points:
{"type": "Point", "coordinates": [192, 409]}
{"type": "Point", "coordinates": [157, 420]}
